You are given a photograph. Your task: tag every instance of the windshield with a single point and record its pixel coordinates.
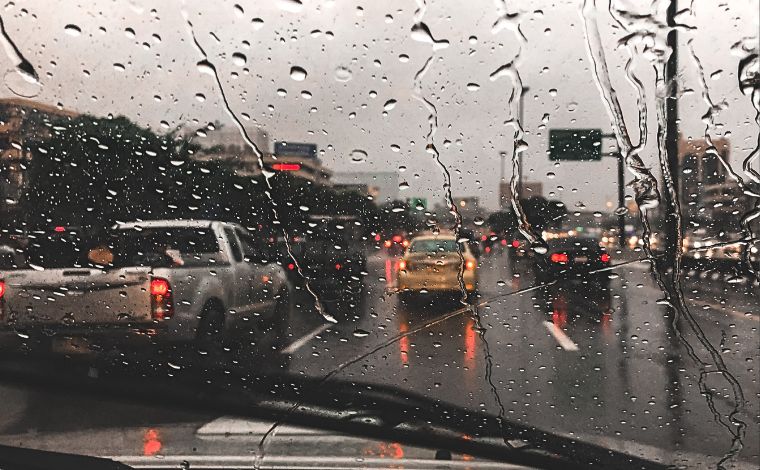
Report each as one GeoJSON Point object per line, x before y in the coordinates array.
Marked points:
{"type": "Point", "coordinates": [433, 246]}
{"type": "Point", "coordinates": [500, 231]}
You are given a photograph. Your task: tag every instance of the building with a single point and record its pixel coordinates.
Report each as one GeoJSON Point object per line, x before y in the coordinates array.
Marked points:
{"type": "Point", "coordinates": [227, 146]}
{"type": "Point", "coordinates": [21, 120]}
{"type": "Point", "coordinates": [469, 209]}
{"type": "Point", "coordinates": [382, 186]}
{"type": "Point", "coordinates": [528, 189]}
{"type": "Point", "coordinates": [706, 190]}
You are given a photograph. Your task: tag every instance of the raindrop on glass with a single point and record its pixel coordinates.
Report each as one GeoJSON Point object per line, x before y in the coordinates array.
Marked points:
{"type": "Point", "coordinates": [297, 73]}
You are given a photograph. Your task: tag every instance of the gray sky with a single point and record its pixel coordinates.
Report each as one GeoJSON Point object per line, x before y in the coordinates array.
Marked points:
{"type": "Point", "coordinates": [157, 79]}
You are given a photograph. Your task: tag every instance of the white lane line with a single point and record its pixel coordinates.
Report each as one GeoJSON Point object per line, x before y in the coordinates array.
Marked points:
{"type": "Point", "coordinates": [564, 341]}
{"type": "Point", "coordinates": [726, 309]}
{"type": "Point", "coordinates": [300, 342]}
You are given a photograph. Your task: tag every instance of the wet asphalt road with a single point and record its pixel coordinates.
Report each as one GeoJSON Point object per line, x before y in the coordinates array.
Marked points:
{"type": "Point", "coordinates": [569, 358]}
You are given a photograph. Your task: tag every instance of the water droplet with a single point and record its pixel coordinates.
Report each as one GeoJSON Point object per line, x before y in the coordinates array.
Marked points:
{"type": "Point", "coordinates": [72, 30]}
{"type": "Point", "coordinates": [716, 75]}
{"type": "Point", "coordinates": [403, 58]}
{"type": "Point", "coordinates": [305, 94]}
{"type": "Point", "coordinates": [206, 67]}
{"type": "Point", "coordinates": [388, 19]}
{"type": "Point", "coordinates": [200, 97]}
{"type": "Point", "coordinates": [473, 39]}
{"type": "Point", "coordinates": [282, 92]}
{"type": "Point", "coordinates": [297, 73]}
{"type": "Point", "coordinates": [119, 67]}
{"type": "Point", "coordinates": [359, 333]}
{"type": "Point", "coordinates": [173, 366]}
{"type": "Point", "coordinates": [473, 86]}
{"type": "Point", "coordinates": [395, 148]}
{"type": "Point", "coordinates": [421, 33]}
{"type": "Point", "coordinates": [478, 221]}
{"type": "Point", "coordinates": [343, 74]}
{"type": "Point", "coordinates": [403, 185]}
{"type": "Point", "coordinates": [238, 10]}
{"type": "Point", "coordinates": [621, 210]}
{"type": "Point", "coordinates": [239, 59]}
{"type": "Point", "coordinates": [291, 6]}
{"type": "Point", "coordinates": [358, 156]}
{"type": "Point", "coordinates": [550, 174]}
{"type": "Point", "coordinates": [22, 83]}
{"type": "Point", "coordinates": [390, 104]}
{"type": "Point", "coordinates": [257, 23]}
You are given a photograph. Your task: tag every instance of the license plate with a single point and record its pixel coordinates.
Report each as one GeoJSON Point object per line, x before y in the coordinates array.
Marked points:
{"type": "Point", "coordinates": [580, 259]}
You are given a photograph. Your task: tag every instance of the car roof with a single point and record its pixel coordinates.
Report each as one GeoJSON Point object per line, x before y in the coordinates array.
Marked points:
{"type": "Point", "coordinates": [167, 223]}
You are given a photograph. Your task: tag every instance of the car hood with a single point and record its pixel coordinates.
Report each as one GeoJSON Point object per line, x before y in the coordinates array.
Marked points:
{"type": "Point", "coordinates": [231, 442]}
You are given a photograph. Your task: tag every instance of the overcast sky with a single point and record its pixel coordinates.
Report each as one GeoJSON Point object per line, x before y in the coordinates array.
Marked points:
{"type": "Point", "coordinates": [359, 55]}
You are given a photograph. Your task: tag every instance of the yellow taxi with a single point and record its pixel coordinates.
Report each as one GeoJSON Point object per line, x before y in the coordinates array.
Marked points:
{"type": "Point", "coordinates": [432, 263]}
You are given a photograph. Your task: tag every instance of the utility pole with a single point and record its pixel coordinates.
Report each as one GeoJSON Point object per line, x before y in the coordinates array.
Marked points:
{"type": "Point", "coordinates": [671, 113]}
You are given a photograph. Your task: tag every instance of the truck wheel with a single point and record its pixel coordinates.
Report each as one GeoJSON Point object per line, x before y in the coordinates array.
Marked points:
{"type": "Point", "coordinates": [211, 326]}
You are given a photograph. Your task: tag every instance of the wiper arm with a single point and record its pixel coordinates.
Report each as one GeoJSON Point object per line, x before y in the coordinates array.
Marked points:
{"type": "Point", "coordinates": [338, 406]}
{"type": "Point", "coordinates": [18, 458]}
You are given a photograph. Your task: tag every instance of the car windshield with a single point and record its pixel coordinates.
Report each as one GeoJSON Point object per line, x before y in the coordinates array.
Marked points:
{"type": "Point", "coordinates": [381, 233]}
{"type": "Point", "coordinates": [433, 246]}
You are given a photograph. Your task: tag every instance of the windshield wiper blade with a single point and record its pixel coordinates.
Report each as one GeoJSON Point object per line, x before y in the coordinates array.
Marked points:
{"type": "Point", "coordinates": [338, 406]}
{"type": "Point", "coordinates": [18, 458]}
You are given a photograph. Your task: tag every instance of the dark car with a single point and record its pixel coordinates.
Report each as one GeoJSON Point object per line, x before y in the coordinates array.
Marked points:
{"type": "Point", "coordinates": [573, 258]}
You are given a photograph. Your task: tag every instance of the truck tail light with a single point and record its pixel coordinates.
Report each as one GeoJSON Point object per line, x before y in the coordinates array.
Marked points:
{"type": "Point", "coordinates": [559, 258]}
{"type": "Point", "coordinates": [402, 265]}
{"type": "Point", "coordinates": [161, 302]}
{"type": "Point", "coordinates": [469, 265]}
{"type": "Point", "coordinates": [605, 258]}
{"type": "Point", "coordinates": [2, 289]}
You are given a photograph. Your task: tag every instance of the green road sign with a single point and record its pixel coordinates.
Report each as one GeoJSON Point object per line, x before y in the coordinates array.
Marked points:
{"type": "Point", "coordinates": [575, 144]}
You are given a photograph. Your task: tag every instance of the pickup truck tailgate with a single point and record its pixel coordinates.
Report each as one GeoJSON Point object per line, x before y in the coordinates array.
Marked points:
{"type": "Point", "coordinates": [78, 297]}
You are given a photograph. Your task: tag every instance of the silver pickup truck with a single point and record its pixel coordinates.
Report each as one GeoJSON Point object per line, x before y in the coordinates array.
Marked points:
{"type": "Point", "coordinates": [161, 280]}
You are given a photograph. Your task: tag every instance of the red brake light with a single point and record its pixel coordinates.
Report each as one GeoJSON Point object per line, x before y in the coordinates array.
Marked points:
{"type": "Point", "coordinates": [515, 243]}
{"type": "Point", "coordinates": [483, 238]}
{"type": "Point", "coordinates": [159, 286]}
{"type": "Point", "coordinates": [59, 229]}
{"type": "Point", "coordinates": [387, 243]}
{"type": "Point", "coordinates": [397, 238]}
{"type": "Point", "coordinates": [402, 265]}
{"type": "Point", "coordinates": [338, 266]}
{"type": "Point", "coordinates": [286, 166]}
{"type": "Point", "coordinates": [503, 242]}
{"type": "Point", "coordinates": [2, 289]}
{"type": "Point", "coordinates": [605, 258]}
{"type": "Point", "coordinates": [291, 266]}
{"type": "Point", "coordinates": [559, 257]}
{"type": "Point", "coordinates": [377, 237]}
{"type": "Point", "coordinates": [161, 304]}
{"type": "Point", "coordinates": [469, 265]}
{"type": "Point", "coordinates": [405, 243]}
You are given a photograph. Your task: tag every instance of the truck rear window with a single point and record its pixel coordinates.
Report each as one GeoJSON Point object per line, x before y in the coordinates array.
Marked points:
{"type": "Point", "coordinates": [164, 247]}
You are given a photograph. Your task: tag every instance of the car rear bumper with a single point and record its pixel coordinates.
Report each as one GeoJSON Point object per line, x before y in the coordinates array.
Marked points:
{"type": "Point", "coordinates": [99, 336]}
{"type": "Point", "coordinates": [420, 280]}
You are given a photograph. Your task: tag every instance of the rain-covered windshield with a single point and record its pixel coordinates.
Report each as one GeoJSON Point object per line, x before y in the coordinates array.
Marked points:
{"type": "Point", "coordinates": [219, 220]}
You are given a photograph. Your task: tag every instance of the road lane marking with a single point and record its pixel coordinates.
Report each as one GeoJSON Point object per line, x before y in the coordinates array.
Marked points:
{"type": "Point", "coordinates": [564, 341]}
{"type": "Point", "coordinates": [300, 342]}
{"type": "Point", "coordinates": [726, 309]}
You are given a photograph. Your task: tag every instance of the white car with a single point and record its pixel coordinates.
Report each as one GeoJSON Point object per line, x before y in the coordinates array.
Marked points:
{"type": "Point", "coordinates": [164, 280]}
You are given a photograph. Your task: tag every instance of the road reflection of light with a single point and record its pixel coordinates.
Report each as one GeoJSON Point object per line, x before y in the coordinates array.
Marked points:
{"type": "Point", "coordinates": [469, 344]}
{"type": "Point", "coordinates": [392, 450]}
{"type": "Point", "coordinates": [607, 324]}
{"type": "Point", "coordinates": [388, 272]}
{"type": "Point", "coordinates": [151, 442]}
{"type": "Point", "coordinates": [559, 311]}
{"type": "Point", "coordinates": [403, 343]}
